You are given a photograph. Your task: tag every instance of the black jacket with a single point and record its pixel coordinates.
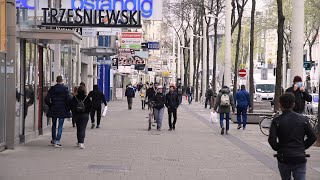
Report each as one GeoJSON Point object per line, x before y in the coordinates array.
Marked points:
{"type": "Point", "coordinates": [58, 99]}
{"type": "Point", "coordinates": [287, 137]}
{"type": "Point", "coordinates": [97, 98]}
{"type": "Point", "coordinates": [130, 92]}
{"type": "Point", "coordinates": [301, 98]}
{"type": "Point", "coordinates": [209, 93]}
{"type": "Point", "coordinates": [159, 100]}
{"type": "Point", "coordinates": [87, 103]}
{"type": "Point", "coordinates": [189, 90]}
{"type": "Point", "coordinates": [172, 100]}
{"type": "Point", "coordinates": [150, 93]}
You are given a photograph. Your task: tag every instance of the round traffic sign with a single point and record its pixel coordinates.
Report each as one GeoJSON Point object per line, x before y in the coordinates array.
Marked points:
{"type": "Point", "coordinates": [242, 72]}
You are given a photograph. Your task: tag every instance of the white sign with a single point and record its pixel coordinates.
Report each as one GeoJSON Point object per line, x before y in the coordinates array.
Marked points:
{"type": "Point", "coordinates": [119, 93]}
{"type": "Point", "coordinates": [89, 32]}
{"type": "Point", "coordinates": [109, 31]}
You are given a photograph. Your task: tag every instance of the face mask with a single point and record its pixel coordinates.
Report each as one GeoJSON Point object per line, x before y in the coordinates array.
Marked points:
{"type": "Point", "coordinates": [300, 84]}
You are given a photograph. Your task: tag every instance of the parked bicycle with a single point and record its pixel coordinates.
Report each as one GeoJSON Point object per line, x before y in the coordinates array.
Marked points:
{"type": "Point", "coordinates": [265, 123]}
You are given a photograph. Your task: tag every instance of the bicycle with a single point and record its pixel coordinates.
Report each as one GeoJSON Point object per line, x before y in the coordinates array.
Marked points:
{"type": "Point", "coordinates": [313, 119]}
{"type": "Point", "coordinates": [151, 119]}
{"type": "Point", "coordinates": [265, 123]}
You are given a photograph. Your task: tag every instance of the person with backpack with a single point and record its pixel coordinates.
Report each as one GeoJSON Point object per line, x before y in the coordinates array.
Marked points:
{"type": "Point", "coordinates": [301, 95]}
{"type": "Point", "coordinates": [172, 103]}
{"type": "Point", "coordinates": [290, 135]}
{"type": "Point", "coordinates": [209, 94]}
{"type": "Point", "coordinates": [159, 100]}
{"type": "Point", "coordinates": [223, 103]}
{"type": "Point", "coordinates": [129, 94]}
{"type": "Point", "coordinates": [97, 98]}
{"type": "Point", "coordinates": [242, 104]}
{"type": "Point", "coordinates": [81, 105]}
{"type": "Point", "coordinates": [58, 99]}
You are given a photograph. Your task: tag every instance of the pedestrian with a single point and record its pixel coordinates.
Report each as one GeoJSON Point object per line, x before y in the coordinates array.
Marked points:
{"type": "Point", "coordinates": [209, 94]}
{"type": "Point", "coordinates": [150, 93]}
{"type": "Point", "coordinates": [74, 93]}
{"type": "Point", "coordinates": [223, 103]}
{"type": "Point", "coordinates": [242, 104]}
{"type": "Point", "coordinates": [290, 135]}
{"type": "Point", "coordinates": [172, 103]}
{"type": "Point", "coordinates": [82, 84]}
{"type": "Point", "coordinates": [129, 94]}
{"type": "Point", "coordinates": [143, 92]}
{"type": "Point", "coordinates": [159, 100]}
{"type": "Point", "coordinates": [300, 93]}
{"type": "Point", "coordinates": [81, 105]}
{"type": "Point", "coordinates": [190, 93]}
{"type": "Point", "coordinates": [58, 99]}
{"type": "Point", "coordinates": [97, 98]}
{"type": "Point", "coordinates": [180, 91]}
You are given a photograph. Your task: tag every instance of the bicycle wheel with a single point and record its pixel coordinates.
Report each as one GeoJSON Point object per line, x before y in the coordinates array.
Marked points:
{"type": "Point", "coordinates": [265, 125]}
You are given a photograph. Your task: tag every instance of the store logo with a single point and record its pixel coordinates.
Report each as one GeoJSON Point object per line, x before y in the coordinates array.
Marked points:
{"type": "Point", "coordinates": [145, 6]}
{"type": "Point", "coordinates": [24, 4]}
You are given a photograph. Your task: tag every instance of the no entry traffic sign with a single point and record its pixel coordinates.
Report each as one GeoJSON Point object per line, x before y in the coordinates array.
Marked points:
{"type": "Point", "coordinates": [242, 72]}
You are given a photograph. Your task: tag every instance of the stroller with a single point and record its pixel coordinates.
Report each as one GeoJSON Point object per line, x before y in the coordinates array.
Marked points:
{"type": "Point", "coordinates": [151, 119]}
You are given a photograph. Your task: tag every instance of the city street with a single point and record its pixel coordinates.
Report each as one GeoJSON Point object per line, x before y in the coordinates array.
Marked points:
{"type": "Point", "coordinates": [123, 149]}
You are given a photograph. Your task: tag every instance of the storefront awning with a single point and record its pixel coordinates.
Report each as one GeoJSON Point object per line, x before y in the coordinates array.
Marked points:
{"type": "Point", "coordinates": [98, 51]}
{"type": "Point", "coordinates": [50, 36]}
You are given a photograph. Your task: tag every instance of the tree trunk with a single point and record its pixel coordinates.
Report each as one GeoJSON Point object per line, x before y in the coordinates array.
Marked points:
{"type": "Point", "coordinates": [235, 84]}
{"type": "Point", "coordinates": [279, 55]}
{"type": "Point", "coordinates": [198, 65]}
{"type": "Point", "coordinates": [208, 53]}
{"type": "Point", "coordinates": [215, 48]}
{"type": "Point", "coordinates": [251, 54]}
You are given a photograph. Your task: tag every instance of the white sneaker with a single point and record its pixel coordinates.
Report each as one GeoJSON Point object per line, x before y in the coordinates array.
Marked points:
{"type": "Point", "coordinates": [81, 145]}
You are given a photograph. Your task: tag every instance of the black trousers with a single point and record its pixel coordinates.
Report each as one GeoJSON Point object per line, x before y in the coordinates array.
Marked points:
{"type": "Point", "coordinates": [93, 113]}
{"type": "Point", "coordinates": [143, 103]}
{"type": "Point", "coordinates": [172, 111]}
{"type": "Point", "coordinates": [208, 99]}
{"type": "Point", "coordinates": [129, 99]}
{"type": "Point", "coordinates": [82, 121]}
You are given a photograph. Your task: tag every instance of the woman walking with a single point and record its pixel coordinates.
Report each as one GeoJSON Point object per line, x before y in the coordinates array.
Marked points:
{"type": "Point", "coordinates": [74, 93]}
{"type": "Point", "coordinates": [143, 91]}
{"type": "Point", "coordinates": [81, 105]}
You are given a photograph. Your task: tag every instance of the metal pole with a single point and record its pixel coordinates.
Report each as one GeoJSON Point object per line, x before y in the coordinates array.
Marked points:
{"type": "Point", "coordinates": [182, 62]}
{"type": "Point", "coordinates": [227, 50]}
{"type": "Point", "coordinates": [297, 38]}
{"type": "Point", "coordinates": [179, 56]}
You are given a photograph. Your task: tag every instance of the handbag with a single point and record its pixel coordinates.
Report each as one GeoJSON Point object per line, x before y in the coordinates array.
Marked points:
{"type": "Point", "coordinates": [104, 111]}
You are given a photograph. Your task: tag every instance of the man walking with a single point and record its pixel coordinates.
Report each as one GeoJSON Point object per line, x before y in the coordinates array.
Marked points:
{"type": "Point", "coordinates": [159, 101]}
{"type": "Point", "coordinates": [300, 93]}
{"type": "Point", "coordinates": [150, 93]}
{"type": "Point", "coordinates": [97, 98]}
{"type": "Point", "coordinates": [180, 91]}
{"type": "Point", "coordinates": [209, 94]}
{"type": "Point", "coordinates": [189, 93]}
{"type": "Point", "coordinates": [223, 103]}
{"type": "Point", "coordinates": [172, 103]}
{"type": "Point", "coordinates": [242, 104]}
{"type": "Point", "coordinates": [58, 100]}
{"type": "Point", "coordinates": [130, 94]}
{"type": "Point", "coordinates": [290, 135]}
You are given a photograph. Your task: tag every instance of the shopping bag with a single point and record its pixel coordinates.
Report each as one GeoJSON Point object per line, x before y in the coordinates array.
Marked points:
{"type": "Point", "coordinates": [104, 112]}
{"type": "Point", "coordinates": [214, 117]}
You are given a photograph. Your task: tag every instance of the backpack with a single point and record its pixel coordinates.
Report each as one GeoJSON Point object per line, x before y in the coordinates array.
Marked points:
{"type": "Point", "coordinates": [80, 107]}
{"type": "Point", "coordinates": [225, 100]}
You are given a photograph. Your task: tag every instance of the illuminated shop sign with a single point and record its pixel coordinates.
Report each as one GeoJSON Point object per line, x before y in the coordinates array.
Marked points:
{"type": "Point", "coordinates": [24, 4]}
{"type": "Point", "coordinates": [90, 18]}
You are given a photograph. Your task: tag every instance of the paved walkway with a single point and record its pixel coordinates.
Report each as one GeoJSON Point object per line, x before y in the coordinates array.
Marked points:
{"type": "Point", "coordinates": [123, 149]}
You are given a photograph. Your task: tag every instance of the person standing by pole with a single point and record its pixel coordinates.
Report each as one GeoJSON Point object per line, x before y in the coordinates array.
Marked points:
{"type": "Point", "coordinates": [172, 103]}
{"type": "Point", "coordinates": [242, 104]}
{"type": "Point", "coordinates": [97, 98]}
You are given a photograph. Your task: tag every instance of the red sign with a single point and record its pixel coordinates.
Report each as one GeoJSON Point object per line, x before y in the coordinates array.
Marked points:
{"type": "Point", "coordinates": [242, 72]}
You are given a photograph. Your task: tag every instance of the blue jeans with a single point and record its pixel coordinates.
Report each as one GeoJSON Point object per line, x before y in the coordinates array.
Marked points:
{"type": "Point", "coordinates": [158, 114]}
{"type": "Point", "coordinates": [189, 98]}
{"type": "Point", "coordinates": [56, 137]}
{"type": "Point", "coordinates": [298, 171]}
{"type": "Point", "coordinates": [227, 120]}
{"type": "Point", "coordinates": [242, 112]}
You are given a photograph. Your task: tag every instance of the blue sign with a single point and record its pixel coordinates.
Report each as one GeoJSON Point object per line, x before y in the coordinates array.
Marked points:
{"type": "Point", "coordinates": [23, 4]}
{"type": "Point", "coordinates": [153, 45]}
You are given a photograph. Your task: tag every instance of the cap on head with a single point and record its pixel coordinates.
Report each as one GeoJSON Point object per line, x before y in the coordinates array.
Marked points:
{"type": "Point", "coordinates": [59, 79]}
{"type": "Point", "coordinates": [297, 79]}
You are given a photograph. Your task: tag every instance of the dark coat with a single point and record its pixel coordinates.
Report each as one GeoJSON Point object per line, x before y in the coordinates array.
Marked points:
{"type": "Point", "coordinates": [97, 98]}
{"type": "Point", "coordinates": [209, 93]}
{"type": "Point", "coordinates": [224, 109]}
{"type": "Point", "coordinates": [87, 104]}
{"type": "Point", "coordinates": [172, 100]}
{"type": "Point", "coordinates": [287, 136]}
{"type": "Point", "coordinates": [243, 99]}
{"type": "Point", "coordinates": [58, 99]}
{"type": "Point", "coordinates": [159, 100]}
{"type": "Point", "coordinates": [300, 99]}
{"type": "Point", "coordinates": [189, 90]}
{"type": "Point", "coordinates": [150, 93]}
{"type": "Point", "coordinates": [130, 92]}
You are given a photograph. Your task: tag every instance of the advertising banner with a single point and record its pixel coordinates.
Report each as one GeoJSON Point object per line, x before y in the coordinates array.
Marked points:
{"type": "Point", "coordinates": [131, 40]}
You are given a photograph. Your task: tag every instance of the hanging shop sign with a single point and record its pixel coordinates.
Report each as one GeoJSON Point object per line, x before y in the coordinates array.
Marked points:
{"type": "Point", "coordinates": [91, 18]}
{"type": "Point", "coordinates": [134, 60]}
{"type": "Point", "coordinates": [131, 40]}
